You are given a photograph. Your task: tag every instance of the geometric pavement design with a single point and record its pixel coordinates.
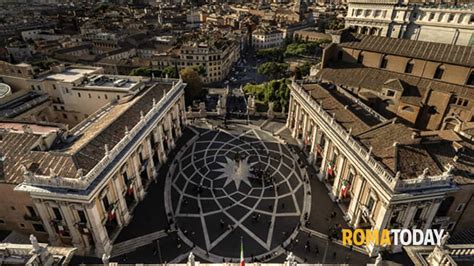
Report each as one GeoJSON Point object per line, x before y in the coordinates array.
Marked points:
{"type": "Point", "coordinates": [215, 215]}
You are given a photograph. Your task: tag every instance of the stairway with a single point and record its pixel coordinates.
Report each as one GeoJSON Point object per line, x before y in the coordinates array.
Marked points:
{"type": "Point", "coordinates": [134, 243]}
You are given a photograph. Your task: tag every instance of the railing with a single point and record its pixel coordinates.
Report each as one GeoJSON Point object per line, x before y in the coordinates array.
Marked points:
{"type": "Point", "coordinates": [83, 181]}
{"type": "Point", "coordinates": [361, 104]}
{"type": "Point", "coordinates": [443, 180]}
{"type": "Point", "coordinates": [346, 136]}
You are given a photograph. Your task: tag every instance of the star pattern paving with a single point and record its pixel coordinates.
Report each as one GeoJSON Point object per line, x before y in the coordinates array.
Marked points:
{"type": "Point", "coordinates": [213, 207]}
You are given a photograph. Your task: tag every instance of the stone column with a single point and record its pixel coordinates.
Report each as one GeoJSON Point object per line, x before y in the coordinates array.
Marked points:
{"type": "Point", "coordinates": [162, 154]}
{"type": "Point", "coordinates": [322, 168]}
{"type": "Point", "coordinates": [410, 212]}
{"type": "Point", "coordinates": [312, 151]}
{"type": "Point", "coordinates": [70, 222]}
{"type": "Point", "coordinates": [290, 113]}
{"type": "Point", "coordinates": [148, 149]}
{"type": "Point", "coordinates": [122, 204]}
{"type": "Point", "coordinates": [46, 219]}
{"type": "Point", "coordinates": [133, 160]}
{"type": "Point", "coordinates": [355, 202]}
{"type": "Point", "coordinates": [432, 213]}
{"type": "Point", "coordinates": [339, 167]}
{"type": "Point", "coordinates": [102, 241]}
{"type": "Point", "coordinates": [297, 122]}
{"type": "Point", "coordinates": [380, 223]}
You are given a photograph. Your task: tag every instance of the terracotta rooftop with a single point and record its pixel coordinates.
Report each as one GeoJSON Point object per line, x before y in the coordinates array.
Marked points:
{"type": "Point", "coordinates": [83, 152]}
{"type": "Point", "coordinates": [397, 146]}
{"type": "Point", "coordinates": [352, 75]}
{"type": "Point", "coordinates": [438, 52]}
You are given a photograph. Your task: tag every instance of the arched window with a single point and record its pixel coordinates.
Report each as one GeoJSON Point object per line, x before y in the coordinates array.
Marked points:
{"type": "Point", "coordinates": [439, 72]}
{"type": "Point", "coordinates": [409, 67]}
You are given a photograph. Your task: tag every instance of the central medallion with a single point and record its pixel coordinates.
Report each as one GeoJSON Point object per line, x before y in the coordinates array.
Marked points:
{"type": "Point", "coordinates": [237, 170]}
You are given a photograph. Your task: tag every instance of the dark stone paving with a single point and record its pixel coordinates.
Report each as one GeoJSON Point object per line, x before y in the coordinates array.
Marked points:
{"type": "Point", "coordinates": [196, 212]}
{"type": "Point", "coordinates": [150, 216]}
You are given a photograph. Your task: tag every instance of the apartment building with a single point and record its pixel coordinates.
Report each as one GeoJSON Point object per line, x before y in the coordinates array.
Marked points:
{"type": "Point", "coordinates": [83, 183]}
{"type": "Point", "coordinates": [396, 19]}
{"type": "Point", "coordinates": [264, 38]}
{"type": "Point", "coordinates": [217, 58]}
{"type": "Point", "coordinates": [427, 85]}
{"type": "Point", "coordinates": [381, 173]}
{"type": "Point", "coordinates": [69, 94]}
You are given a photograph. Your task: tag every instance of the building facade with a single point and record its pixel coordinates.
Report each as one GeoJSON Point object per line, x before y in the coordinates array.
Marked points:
{"type": "Point", "coordinates": [264, 38]}
{"type": "Point", "coordinates": [404, 78]}
{"type": "Point", "coordinates": [382, 174]}
{"type": "Point", "coordinates": [102, 167]}
{"type": "Point", "coordinates": [395, 19]}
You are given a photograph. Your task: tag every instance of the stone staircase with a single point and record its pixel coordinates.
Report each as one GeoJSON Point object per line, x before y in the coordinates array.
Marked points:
{"type": "Point", "coordinates": [134, 243]}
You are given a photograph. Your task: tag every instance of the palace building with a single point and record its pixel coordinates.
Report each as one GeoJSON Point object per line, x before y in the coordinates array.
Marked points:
{"type": "Point", "coordinates": [382, 173]}
{"type": "Point", "coordinates": [81, 184]}
{"type": "Point", "coordinates": [399, 19]}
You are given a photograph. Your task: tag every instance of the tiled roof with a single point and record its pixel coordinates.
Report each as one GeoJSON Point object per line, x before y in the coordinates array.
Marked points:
{"type": "Point", "coordinates": [334, 103]}
{"type": "Point", "coordinates": [16, 151]}
{"type": "Point", "coordinates": [353, 75]}
{"type": "Point", "coordinates": [411, 156]}
{"type": "Point", "coordinates": [66, 158]}
{"type": "Point", "coordinates": [438, 52]}
{"type": "Point", "coordinates": [91, 153]}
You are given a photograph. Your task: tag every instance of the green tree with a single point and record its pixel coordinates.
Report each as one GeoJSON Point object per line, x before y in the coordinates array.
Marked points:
{"type": "Point", "coordinates": [274, 54]}
{"type": "Point", "coordinates": [276, 91]}
{"type": "Point", "coordinates": [302, 70]}
{"type": "Point", "coordinates": [142, 71]}
{"type": "Point", "coordinates": [273, 70]}
{"type": "Point", "coordinates": [200, 69]}
{"type": "Point", "coordinates": [194, 84]}
{"type": "Point", "coordinates": [171, 71]}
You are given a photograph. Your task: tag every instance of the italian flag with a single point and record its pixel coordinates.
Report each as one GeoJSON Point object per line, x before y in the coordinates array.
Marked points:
{"type": "Point", "coordinates": [345, 188]}
{"type": "Point", "coordinates": [242, 260]}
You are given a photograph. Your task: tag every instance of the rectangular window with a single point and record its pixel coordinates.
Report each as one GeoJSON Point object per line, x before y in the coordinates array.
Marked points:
{"type": "Point", "coordinates": [79, 94]}
{"type": "Point", "coordinates": [390, 93]}
{"type": "Point", "coordinates": [39, 228]}
{"type": "Point", "coordinates": [371, 204]}
{"type": "Point", "coordinates": [450, 226]}
{"type": "Point", "coordinates": [360, 59]}
{"type": "Point", "coordinates": [384, 63]}
{"type": "Point", "coordinates": [82, 216]}
{"type": "Point", "coordinates": [439, 73]}
{"type": "Point", "coordinates": [470, 80]}
{"type": "Point", "coordinates": [106, 203]}
{"type": "Point", "coordinates": [57, 213]}
{"type": "Point", "coordinates": [460, 207]}
{"type": "Point", "coordinates": [409, 68]}
{"type": "Point", "coordinates": [31, 211]}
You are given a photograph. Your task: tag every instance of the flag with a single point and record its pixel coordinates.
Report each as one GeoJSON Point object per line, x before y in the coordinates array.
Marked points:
{"type": "Point", "coordinates": [242, 260]}
{"type": "Point", "coordinates": [345, 188]}
{"type": "Point", "coordinates": [330, 170]}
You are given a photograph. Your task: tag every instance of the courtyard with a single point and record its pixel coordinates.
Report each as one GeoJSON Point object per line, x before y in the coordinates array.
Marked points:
{"type": "Point", "coordinates": [224, 184]}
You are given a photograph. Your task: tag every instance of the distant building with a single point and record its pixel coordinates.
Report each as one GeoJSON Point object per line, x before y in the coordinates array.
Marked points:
{"type": "Point", "coordinates": [395, 19]}
{"type": "Point", "coordinates": [264, 38]}
{"type": "Point", "coordinates": [428, 85]}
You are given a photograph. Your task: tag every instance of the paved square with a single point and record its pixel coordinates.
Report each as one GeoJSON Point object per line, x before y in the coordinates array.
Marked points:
{"type": "Point", "coordinates": [223, 187]}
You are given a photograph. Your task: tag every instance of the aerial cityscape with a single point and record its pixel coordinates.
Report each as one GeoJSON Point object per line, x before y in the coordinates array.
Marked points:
{"type": "Point", "coordinates": [228, 132]}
